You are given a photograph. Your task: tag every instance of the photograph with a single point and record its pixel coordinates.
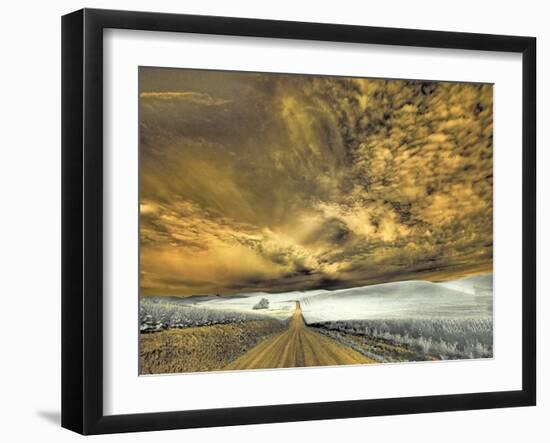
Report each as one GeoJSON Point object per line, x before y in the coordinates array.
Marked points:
{"type": "Point", "coordinates": [267, 222]}
{"type": "Point", "coordinates": [290, 220]}
{"type": "Point", "coordinates": [263, 222]}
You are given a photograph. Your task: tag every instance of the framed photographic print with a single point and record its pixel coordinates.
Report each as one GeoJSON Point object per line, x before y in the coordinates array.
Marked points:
{"type": "Point", "coordinates": [269, 221]}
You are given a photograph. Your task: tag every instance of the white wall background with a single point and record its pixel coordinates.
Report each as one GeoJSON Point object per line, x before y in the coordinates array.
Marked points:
{"type": "Point", "coordinates": [30, 219]}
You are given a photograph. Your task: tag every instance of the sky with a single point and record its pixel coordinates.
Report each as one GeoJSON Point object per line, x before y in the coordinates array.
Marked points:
{"type": "Point", "coordinates": [276, 182]}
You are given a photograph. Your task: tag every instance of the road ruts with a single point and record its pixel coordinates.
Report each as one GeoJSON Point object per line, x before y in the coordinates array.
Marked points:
{"type": "Point", "coordinates": [298, 346]}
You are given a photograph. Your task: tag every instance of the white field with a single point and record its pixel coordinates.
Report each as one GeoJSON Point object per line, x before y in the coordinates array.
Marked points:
{"type": "Point", "coordinates": [451, 319]}
{"type": "Point", "coordinates": [281, 305]}
{"type": "Point", "coordinates": [467, 298]}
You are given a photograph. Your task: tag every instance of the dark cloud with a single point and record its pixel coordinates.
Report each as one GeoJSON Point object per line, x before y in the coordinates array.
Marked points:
{"type": "Point", "coordinates": [279, 182]}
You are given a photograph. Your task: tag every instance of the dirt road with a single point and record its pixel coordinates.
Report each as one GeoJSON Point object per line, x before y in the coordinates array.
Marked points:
{"type": "Point", "coordinates": [298, 346]}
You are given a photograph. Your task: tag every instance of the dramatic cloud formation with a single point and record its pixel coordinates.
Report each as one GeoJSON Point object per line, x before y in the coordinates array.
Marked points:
{"type": "Point", "coordinates": [275, 182]}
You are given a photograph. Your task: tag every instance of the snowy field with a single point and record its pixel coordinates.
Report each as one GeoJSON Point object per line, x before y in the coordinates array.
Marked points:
{"type": "Point", "coordinates": [158, 313]}
{"type": "Point", "coordinates": [469, 298]}
{"type": "Point", "coordinates": [281, 305]}
{"type": "Point", "coordinates": [443, 339]}
{"type": "Point", "coordinates": [449, 320]}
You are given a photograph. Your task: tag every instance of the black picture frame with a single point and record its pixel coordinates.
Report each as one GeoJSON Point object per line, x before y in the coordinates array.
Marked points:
{"type": "Point", "coordinates": [82, 220]}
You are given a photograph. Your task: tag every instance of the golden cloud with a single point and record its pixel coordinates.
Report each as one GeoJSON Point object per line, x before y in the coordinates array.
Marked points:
{"type": "Point", "coordinates": [276, 182]}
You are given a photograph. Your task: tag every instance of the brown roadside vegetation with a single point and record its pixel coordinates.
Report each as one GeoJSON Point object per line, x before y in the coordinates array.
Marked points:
{"type": "Point", "coordinates": [205, 348]}
{"type": "Point", "coordinates": [376, 348]}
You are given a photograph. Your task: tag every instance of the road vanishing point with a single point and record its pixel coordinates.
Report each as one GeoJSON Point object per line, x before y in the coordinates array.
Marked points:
{"type": "Point", "coordinates": [298, 346]}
